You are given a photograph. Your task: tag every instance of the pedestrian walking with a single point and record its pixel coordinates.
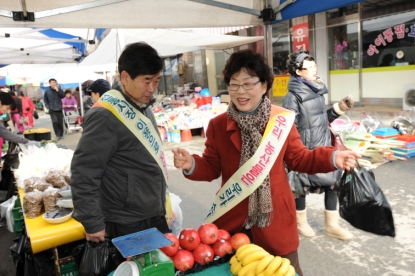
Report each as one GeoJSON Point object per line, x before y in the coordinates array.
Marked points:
{"type": "Point", "coordinates": [16, 112]}
{"type": "Point", "coordinates": [53, 102]}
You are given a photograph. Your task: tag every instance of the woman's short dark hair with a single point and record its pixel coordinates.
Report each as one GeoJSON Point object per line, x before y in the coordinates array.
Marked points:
{"type": "Point", "coordinates": [6, 99]}
{"type": "Point", "coordinates": [140, 59]}
{"type": "Point", "coordinates": [254, 64]}
{"type": "Point", "coordinates": [68, 91]}
{"type": "Point", "coordinates": [294, 63]}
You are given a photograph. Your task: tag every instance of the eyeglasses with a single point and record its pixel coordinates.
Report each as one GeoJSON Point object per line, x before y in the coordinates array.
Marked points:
{"type": "Point", "coordinates": [315, 66]}
{"type": "Point", "coordinates": [246, 86]}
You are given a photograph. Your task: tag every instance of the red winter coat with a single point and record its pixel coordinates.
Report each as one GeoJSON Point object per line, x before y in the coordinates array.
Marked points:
{"type": "Point", "coordinates": [222, 156]}
{"type": "Point", "coordinates": [27, 106]}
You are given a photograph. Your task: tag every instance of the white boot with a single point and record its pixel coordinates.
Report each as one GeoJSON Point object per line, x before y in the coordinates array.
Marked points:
{"type": "Point", "coordinates": [303, 226]}
{"type": "Point", "coordinates": [333, 228]}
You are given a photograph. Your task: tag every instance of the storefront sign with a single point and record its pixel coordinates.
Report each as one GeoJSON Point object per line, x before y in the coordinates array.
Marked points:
{"type": "Point", "coordinates": [300, 36]}
{"type": "Point", "coordinates": [281, 85]}
{"type": "Point", "coordinates": [387, 37]}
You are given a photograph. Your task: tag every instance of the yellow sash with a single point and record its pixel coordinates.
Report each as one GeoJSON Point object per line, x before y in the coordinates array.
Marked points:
{"type": "Point", "coordinates": [251, 174]}
{"type": "Point", "coordinates": [143, 129]}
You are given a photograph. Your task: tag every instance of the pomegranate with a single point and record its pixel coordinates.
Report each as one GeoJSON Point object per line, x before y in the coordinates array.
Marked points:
{"type": "Point", "coordinates": [239, 239]}
{"type": "Point", "coordinates": [183, 260]}
{"type": "Point", "coordinates": [203, 254]}
{"type": "Point", "coordinates": [189, 239]}
{"type": "Point", "coordinates": [222, 247]}
{"type": "Point", "coordinates": [171, 249]}
{"type": "Point", "coordinates": [224, 235]}
{"type": "Point", "coordinates": [208, 233]}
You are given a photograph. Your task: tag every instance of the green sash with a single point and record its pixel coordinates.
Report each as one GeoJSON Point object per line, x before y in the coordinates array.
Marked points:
{"type": "Point", "coordinates": [251, 174]}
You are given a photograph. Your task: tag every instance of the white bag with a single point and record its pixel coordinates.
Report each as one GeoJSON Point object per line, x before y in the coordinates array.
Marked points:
{"type": "Point", "coordinates": [6, 211]}
{"type": "Point", "coordinates": [177, 226]}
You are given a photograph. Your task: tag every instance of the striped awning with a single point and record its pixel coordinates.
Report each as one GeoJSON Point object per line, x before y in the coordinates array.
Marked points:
{"type": "Point", "coordinates": [220, 30]}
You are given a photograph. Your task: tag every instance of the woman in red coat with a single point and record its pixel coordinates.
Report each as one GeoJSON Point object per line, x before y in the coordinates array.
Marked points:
{"type": "Point", "coordinates": [27, 109]}
{"type": "Point", "coordinates": [268, 214]}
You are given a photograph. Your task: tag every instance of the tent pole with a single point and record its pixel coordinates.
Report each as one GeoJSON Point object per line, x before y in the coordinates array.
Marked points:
{"type": "Point", "coordinates": [81, 100]}
{"type": "Point", "coordinates": [268, 50]}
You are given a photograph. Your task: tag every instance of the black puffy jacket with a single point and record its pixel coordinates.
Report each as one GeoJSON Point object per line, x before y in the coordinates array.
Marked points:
{"type": "Point", "coordinates": [312, 121]}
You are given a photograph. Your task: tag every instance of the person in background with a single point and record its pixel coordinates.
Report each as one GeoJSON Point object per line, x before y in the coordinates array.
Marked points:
{"type": "Point", "coordinates": [53, 102]}
{"type": "Point", "coordinates": [98, 88]}
{"type": "Point", "coordinates": [27, 109]}
{"type": "Point", "coordinates": [267, 214]}
{"type": "Point", "coordinates": [6, 101]}
{"type": "Point", "coordinates": [118, 187]}
{"type": "Point", "coordinates": [69, 103]}
{"type": "Point", "coordinates": [305, 97]}
{"type": "Point", "coordinates": [87, 99]}
{"type": "Point", "coordinates": [16, 112]}
{"type": "Point", "coordinates": [78, 99]}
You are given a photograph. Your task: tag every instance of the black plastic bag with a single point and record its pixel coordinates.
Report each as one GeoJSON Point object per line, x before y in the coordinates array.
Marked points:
{"type": "Point", "coordinates": [95, 260]}
{"type": "Point", "coordinates": [294, 179]}
{"type": "Point", "coordinates": [363, 204]}
{"type": "Point", "coordinates": [35, 115]}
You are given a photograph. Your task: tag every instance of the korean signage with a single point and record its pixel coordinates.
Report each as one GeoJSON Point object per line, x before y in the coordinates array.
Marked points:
{"type": "Point", "coordinates": [388, 35]}
{"type": "Point", "coordinates": [300, 37]}
{"type": "Point", "coordinates": [280, 88]}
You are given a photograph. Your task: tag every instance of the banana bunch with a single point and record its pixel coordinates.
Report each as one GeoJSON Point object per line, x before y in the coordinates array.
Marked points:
{"type": "Point", "coordinates": [253, 260]}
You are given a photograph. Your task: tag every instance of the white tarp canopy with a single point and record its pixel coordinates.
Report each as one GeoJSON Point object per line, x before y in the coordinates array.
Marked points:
{"type": "Point", "coordinates": [128, 14]}
{"type": "Point", "coordinates": [27, 45]}
{"type": "Point", "coordinates": [166, 42]}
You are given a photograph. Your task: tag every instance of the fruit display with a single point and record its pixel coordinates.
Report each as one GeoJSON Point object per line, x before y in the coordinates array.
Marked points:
{"type": "Point", "coordinates": [253, 260]}
{"type": "Point", "coordinates": [195, 250]}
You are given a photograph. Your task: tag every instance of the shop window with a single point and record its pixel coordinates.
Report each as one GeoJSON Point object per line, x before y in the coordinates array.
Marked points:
{"type": "Point", "coordinates": [376, 8]}
{"type": "Point", "coordinates": [389, 40]}
{"type": "Point", "coordinates": [280, 47]}
{"type": "Point", "coordinates": [343, 11]}
{"type": "Point", "coordinates": [343, 47]}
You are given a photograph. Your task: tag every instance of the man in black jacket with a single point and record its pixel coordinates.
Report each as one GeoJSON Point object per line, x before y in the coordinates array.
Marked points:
{"type": "Point", "coordinates": [118, 188]}
{"type": "Point", "coordinates": [53, 101]}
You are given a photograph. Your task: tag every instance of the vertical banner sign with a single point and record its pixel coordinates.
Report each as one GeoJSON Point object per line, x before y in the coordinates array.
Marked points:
{"type": "Point", "coordinates": [300, 37]}
{"type": "Point", "coordinates": [280, 87]}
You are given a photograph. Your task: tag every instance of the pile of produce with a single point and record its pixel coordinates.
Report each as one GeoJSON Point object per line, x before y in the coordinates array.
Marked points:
{"type": "Point", "coordinates": [195, 250]}
{"type": "Point", "coordinates": [251, 260]}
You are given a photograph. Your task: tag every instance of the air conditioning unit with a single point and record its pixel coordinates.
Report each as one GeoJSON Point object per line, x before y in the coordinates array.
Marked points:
{"type": "Point", "coordinates": [408, 97]}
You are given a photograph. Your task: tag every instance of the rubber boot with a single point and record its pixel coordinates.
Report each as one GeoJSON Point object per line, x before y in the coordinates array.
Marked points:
{"type": "Point", "coordinates": [333, 228]}
{"type": "Point", "coordinates": [303, 226]}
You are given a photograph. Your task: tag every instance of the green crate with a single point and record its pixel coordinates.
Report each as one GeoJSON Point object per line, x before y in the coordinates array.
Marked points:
{"type": "Point", "coordinates": [18, 224]}
{"type": "Point", "coordinates": [17, 213]}
{"type": "Point", "coordinates": [69, 269]}
{"type": "Point", "coordinates": [17, 203]}
{"type": "Point", "coordinates": [18, 233]}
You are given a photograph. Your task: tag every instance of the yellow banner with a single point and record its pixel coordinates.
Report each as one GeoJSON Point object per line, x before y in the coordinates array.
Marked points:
{"type": "Point", "coordinates": [280, 87]}
{"type": "Point", "coordinates": [251, 174]}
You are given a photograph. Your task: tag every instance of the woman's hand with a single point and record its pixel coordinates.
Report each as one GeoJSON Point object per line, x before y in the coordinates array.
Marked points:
{"type": "Point", "coordinates": [346, 159]}
{"type": "Point", "coordinates": [182, 159]}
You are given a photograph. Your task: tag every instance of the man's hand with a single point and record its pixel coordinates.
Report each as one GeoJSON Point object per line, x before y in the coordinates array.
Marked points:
{"type": "Point", "coordinates": [182, 159]}
{"type": "Point", "coordinates": [96, 237]}
{"type": "Point", "coordinates": [346, 159]}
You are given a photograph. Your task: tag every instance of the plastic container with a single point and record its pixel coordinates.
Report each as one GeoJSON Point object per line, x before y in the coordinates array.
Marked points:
{"type": "Point", "coordinates": [175, 136]}
{"type": "Point", "coordinates": [56, 217]}
{"type": "Point", "coordinates": [186, 135]}
{"type": "Point", "coordinates": [126, 269]}
{"type": "Point", "coordinates": [17, 212]}
{"type": "Point", "coordinates": [406, 138]}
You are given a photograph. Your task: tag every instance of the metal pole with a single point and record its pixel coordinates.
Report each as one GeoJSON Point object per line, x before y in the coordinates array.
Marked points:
{"type": "Point", "coordinates": [268, 50]}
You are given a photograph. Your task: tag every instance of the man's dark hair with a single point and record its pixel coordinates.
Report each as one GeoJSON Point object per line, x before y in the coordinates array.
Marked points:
{"type": "Point", "coordinates": [52, 80]}
{"type": "Point", "coordinates": [6, 99]}
{"type": "Point", "coordinates": [140, 59]}
{"type": "Point", "coordinates": [254, 64]}
{"type": "Point", "coordinates": [294, 64]}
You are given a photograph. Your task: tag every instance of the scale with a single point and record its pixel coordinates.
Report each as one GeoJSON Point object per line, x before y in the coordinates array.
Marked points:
{"type": "Point", "coordinates": [142, 248]}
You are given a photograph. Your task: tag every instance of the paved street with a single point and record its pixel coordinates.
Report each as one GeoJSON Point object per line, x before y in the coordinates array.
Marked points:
{"type": "Point", "coordinates": [366, 254]}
